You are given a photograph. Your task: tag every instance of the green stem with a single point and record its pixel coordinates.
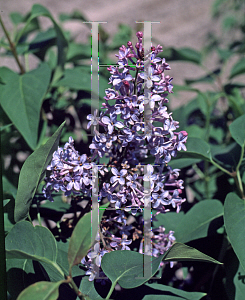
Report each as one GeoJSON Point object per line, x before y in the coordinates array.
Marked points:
{"type": "Point", "coordinates": [206, 179]}
{"type": "Point", "coordinates": [238, 181]}
{"type": "Point", "coordinates": [29, 218]}
{"type": "Point", "coordinates": [221, 168]}
{"type": "Point", "coordinates": [75, 288]}
{"type": "Point", "coordinates": [111, 290]}
{"type": "Point", "coordinates": [12, 47]}
{"type": "Point", "coordinates": [241, 158]}
{"type": "Point", "coordinates": [3, 281]}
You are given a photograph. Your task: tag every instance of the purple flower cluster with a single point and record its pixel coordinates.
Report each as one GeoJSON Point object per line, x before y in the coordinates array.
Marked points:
{"type": "Point", "coordinates": [130, 135]}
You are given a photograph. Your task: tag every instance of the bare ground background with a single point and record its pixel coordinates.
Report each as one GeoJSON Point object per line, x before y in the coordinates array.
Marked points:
{"type": "Point", "coordinates": [183, 23]}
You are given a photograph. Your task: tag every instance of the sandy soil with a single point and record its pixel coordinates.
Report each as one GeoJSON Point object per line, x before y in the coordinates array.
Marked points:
{"type": "Point", "coordinates": [182, 23]}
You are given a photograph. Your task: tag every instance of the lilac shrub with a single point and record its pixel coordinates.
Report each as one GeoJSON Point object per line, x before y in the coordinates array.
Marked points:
{"type": "Point", "coordinates": [128, 136]}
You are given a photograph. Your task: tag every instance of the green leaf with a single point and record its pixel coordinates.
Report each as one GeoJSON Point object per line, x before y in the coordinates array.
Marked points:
{"type": "Point", "coordinates": [9, 215]}
{"type": "Point", "coordinates": [20, 274]}
{"type": "Point", "coordinates": [183, 162]}
{"type": "Point", "coordinates": [181, 252]}
{"type": "Point", "coordinates": [62, 253]}
{"type": "Point", "coordinates": [81, 241]}
{"type": "Point", "coordinates": [227, 156]}
{"type": "Point", "coordinates": [186, 54]}
{"type": "Point", "coordinates": [79, 78]}
{"type": "Point", "coordinates": [87, 288]}
{"type": "Point", "coordinates": [16, 18]}
{"type": "Point", "coordinates": [36, 243]}
{"type": "Point", "coordinates": [41, 290]}
{"type": "Point", "coordinates": [2, 128]}
{"type": "Point", "coordinates": [234, 218]}
{"type": "Point", "coordinates": [195, 224]}
{"type": "Point", "coordinates": [169, 221]}
{"type": "Point", "coordinates": [238, 68]}
{"type": "Point", "coordinates": [196, 148]}
{"type": "Point", "coordinates": [237, 130]}
{"type": "Point", "coordinates": [78, 51]}
{"type": "Point", "coordinates": [234, 283]}
{"type": "Point", "coordinates": [196, 131]}
{"type": "Point", "coordinates": [22, 97]}
{"type": "Point", "coordinates": [122, 36]}
{"type": "Point", "coordinates": [8, 187]}
{"type": "Point", "coordinates": [32, 173]}
{"type": "Point", "coordinates": [209, 78]}
{"type": "Point", "coordinates": [125, 266]}
{"type": "Point", "coordinates": [163, 292]}
{"type": "Point", "coordinates": [75, 15]}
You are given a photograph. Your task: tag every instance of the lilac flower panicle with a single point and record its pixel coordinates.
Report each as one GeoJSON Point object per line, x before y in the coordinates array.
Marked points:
{"type": "Point", "coordinates": [126, 141]}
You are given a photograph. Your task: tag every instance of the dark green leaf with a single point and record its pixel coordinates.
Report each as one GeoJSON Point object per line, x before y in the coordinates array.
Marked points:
{"type": "Point", "coordinates": [1, 81]}
{"type": "Point", "coordinates": [163, 292]}
{"type": "Point", "coordinates": [196, 223]}
{"type": "Point", "coordinates": [62, 44]}
{"type": "Point", "coordinates": [186, 54]}
{"type": "Point", "coordinates": [126, 267]}
{"type": "Point", "coordinates": [237, 129]}
{"type": "Point", "coordinates": [16, 18]}
{"type": "Point", "coordinates": [21, 98]}
{"type": "Point", "coordinates": [180, 88]}
{"type": "Point", "coordinates": [81, 241]}
{"type": "Point", "coordinates": [234, 283]}
{"type": "Point", "coordinates": [224, 54]}
{"type": "Point", "coordinates": [78, 51]}
{"type": "Point", "coordinates": [227, 156]}
{"type": "Point", "coordinates": [79, 78]}
{"type": "Point", "coordinates": [76, 15]}
{"type": "Point", "coordinates": [234, 217]}
{"type": "Point", "coordinates": [195, 131]}
{"type": "Point", "coordinates": [238, 68]}
{"type": "Point", "coordinates": [41, 290]}
{"type": "Point", "coordinates": [196, 148]}
{"type": "Point", "coordinates": [32, 173]}
{"type": "Point", "coordinates": [209, 78]}
{"type": "Point", "coordinates": [20, 274]}
{"type": "Point", "coordinates": [183, 162]}
{"type": "Point", "coordinates": [169, 221]}
{"type": "Point", "coordinates": [87, 288]}
{"type": "Point", "coordinates": [36, 243]}
{"type": "Point", "coordinates": [8, 187]}
{"type": "Point", "coordinates": [181, 252]}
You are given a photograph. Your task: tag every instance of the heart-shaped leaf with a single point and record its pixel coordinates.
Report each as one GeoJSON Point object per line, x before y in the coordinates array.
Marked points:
{"type": "Point", "coordinates": [127, 267]}
{"type": "Point", "coordinates": [22, 97]}
{"type": "Point", "coordinates": [42, 290]}
{"type": "Point", "coordinates": [32, 173]}
{"type": "Point", "coordinates": [234, 217]}
{"type": "Point", "coordinates": [195, 223]}
{"type": "Point", "coordinates": [27, 242]}
{"type": "Point", "coordinates": [81, 240]}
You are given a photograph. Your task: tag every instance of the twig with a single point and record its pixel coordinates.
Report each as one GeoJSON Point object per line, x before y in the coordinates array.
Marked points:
{"type": "Point", "coordinates": [12, 47]}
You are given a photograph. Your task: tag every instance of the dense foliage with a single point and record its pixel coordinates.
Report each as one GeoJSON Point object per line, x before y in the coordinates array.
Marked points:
{"type": "Point", "coordinates": [49, 154]}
